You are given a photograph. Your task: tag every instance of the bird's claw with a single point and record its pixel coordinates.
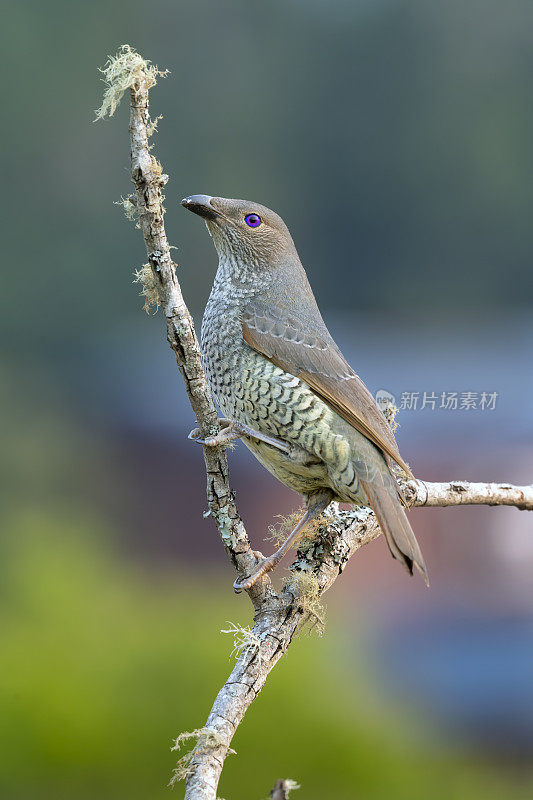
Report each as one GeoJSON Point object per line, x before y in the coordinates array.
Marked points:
{"type": "Point", "coordinates": [265, 566]}
{"type": "Point", "coordinates": [194, 435]}
{"type": "Point", "coordinates": [227, 433]}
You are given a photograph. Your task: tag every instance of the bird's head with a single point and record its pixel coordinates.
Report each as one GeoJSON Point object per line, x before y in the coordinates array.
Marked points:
{"type": "Point", "coordinates": [244, 232]}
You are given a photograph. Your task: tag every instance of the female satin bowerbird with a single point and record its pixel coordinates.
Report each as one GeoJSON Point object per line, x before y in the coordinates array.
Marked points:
{"type": "Point", "coordinates": [284, 386]}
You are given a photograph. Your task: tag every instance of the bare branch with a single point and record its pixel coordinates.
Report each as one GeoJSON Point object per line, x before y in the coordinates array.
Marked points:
{"type": "Point", "coordinates": [319, 561]}
{"type": "Point", "coordinates": [462, 493]}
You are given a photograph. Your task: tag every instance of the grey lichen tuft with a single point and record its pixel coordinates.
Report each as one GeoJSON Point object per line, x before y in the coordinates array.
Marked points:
{"type": "Point", "coordinates": [304, 587]}
{"type": "Point", "coordinates": [150, 288]}
{"type": "Point", "coordinates": [130, 207]}
{"type": "Point", "coordinates": [290, 786]}
{"type": "Point", "coordinates": [243, 639]}
{"type": "Point", "coordinates": [121, 72]}
{"type": "Point", "coordinates": [151, 128]}
{"type": "Point", "coordinates": [278, 532]}
{"type": "Point", "coordinates": [283, 788]}
{"type": "Point", "coordinates": [206, 739]}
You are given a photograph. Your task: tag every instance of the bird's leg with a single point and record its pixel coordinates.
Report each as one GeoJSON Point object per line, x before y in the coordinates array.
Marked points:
{"type": "Point", "coordinates": [316, 503]}
{"type": "Point", "coordinates": [231, 430]}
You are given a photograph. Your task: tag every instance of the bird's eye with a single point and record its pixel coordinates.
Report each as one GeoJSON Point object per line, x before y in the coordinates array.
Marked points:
{"type": "Point", "coordinates": [253, 220]}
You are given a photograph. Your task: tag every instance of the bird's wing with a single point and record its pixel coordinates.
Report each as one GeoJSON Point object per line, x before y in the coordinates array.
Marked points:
{"type": "Point", "coordinates": [314, 357]}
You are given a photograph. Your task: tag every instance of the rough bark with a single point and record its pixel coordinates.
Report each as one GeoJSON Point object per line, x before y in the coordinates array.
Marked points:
{"type": "Point", "coordinates": [340, 534]}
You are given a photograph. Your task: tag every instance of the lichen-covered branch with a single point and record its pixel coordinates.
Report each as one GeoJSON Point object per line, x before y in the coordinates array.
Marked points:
{"type": "Point", "coordinates": [128, 71]}
{"type": "Point", "coordinates": [338, 535]}
{"type": "Point", "coordinates": [318, 564]}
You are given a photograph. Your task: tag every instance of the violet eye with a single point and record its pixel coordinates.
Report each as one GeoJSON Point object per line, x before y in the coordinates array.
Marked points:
{"type": "Point", "coordinates": [253, 220]}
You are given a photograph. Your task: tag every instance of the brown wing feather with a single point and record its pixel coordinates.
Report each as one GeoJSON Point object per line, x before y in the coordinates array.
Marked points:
{"type": "Point", "coordinates": [313, 356]}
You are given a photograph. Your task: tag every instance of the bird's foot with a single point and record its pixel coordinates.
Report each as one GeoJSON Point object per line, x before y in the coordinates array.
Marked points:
{"type": "Point", "coordinates": [265, 566]}
{"type": "Point", "coordinates": [316, 503]}
{"type": "Point", "coordinates": [230, 430]}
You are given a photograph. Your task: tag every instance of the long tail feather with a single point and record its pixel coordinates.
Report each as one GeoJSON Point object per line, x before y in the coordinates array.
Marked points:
{"type": "Point", "coordinates": [396, 528]}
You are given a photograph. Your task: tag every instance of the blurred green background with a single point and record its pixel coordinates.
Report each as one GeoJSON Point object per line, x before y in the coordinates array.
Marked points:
{"type": "Point", "coordinates": [395, 138]}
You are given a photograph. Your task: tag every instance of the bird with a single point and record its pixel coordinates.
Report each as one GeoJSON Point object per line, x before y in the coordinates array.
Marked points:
{"type": "Point", "coordinates": [284, 386]}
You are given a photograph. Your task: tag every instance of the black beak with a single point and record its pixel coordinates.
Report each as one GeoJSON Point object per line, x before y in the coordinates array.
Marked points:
{"type": "Point", "coordinates": [200, 204]}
